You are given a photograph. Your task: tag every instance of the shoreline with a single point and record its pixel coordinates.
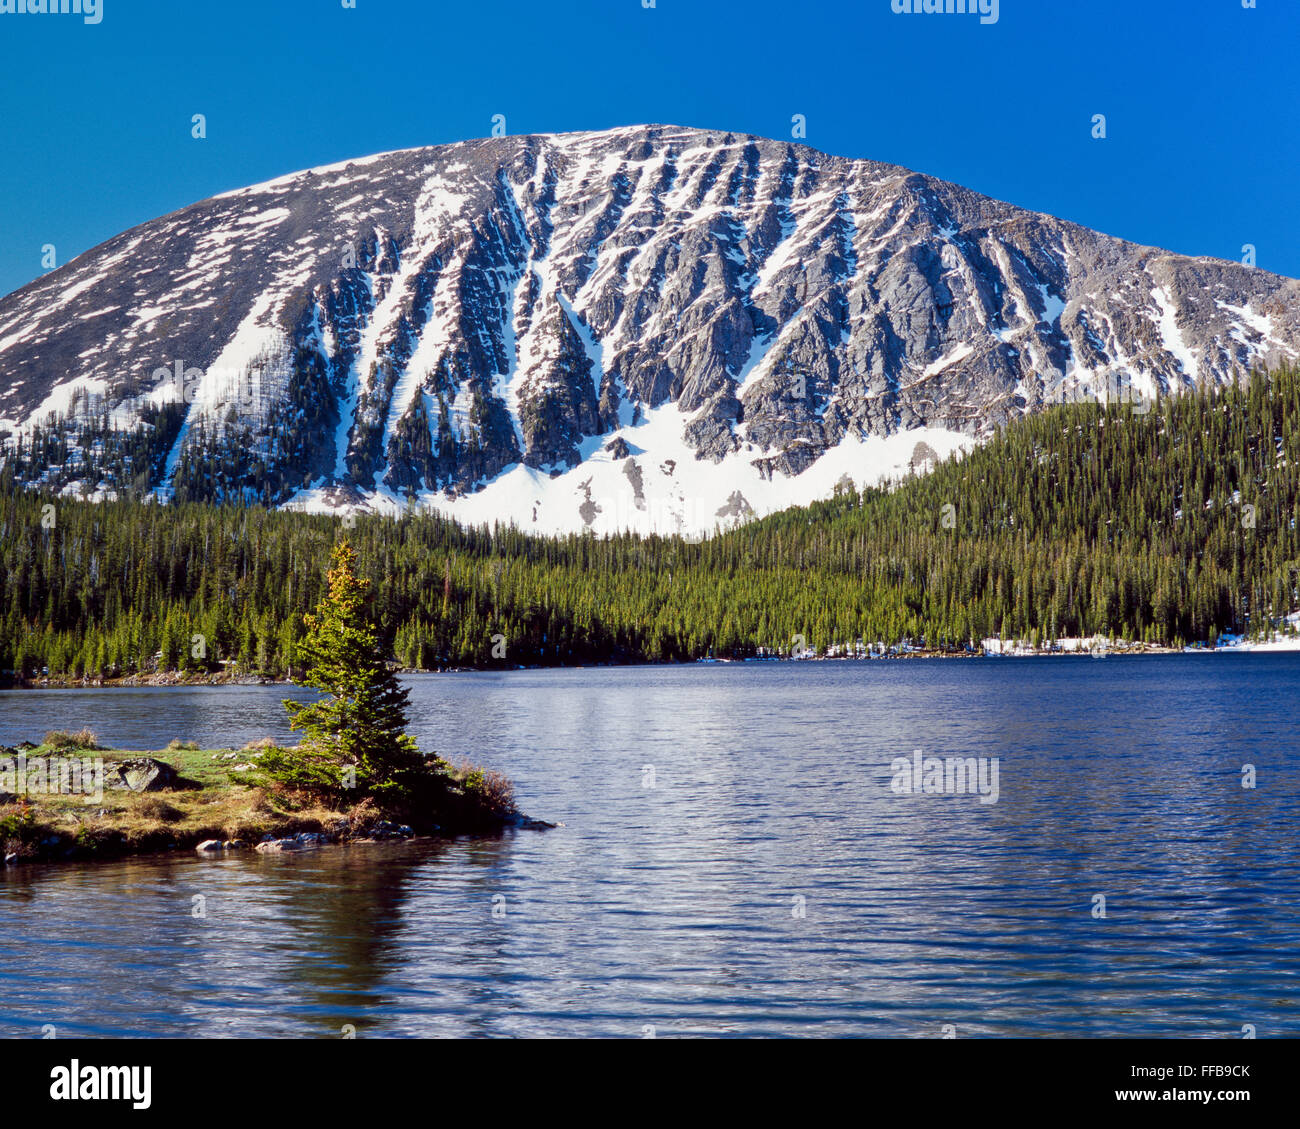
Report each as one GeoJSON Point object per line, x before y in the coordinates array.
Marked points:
{"type": "Point", "coordinates": [84, 804]}
{"type": "Point", "coordinates": [293, 837]}
{"type": "Point", "coordinates": [179, 680]}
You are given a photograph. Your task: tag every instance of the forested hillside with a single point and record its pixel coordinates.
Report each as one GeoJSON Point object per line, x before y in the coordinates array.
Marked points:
{"type": "Point", "coordinates": [1166, 527]}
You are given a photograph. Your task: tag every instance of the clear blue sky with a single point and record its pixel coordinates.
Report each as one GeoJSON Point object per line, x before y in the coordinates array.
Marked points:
{"type": "Point", "coordinates": [1202, 100]}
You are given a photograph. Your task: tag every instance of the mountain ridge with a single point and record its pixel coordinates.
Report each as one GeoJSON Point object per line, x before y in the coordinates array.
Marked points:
{"type": "Point", "coordinates": [652, 327]}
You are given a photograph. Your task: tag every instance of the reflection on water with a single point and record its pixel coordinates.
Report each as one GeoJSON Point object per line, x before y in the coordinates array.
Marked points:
{"type": "Point", "coordinates": [733, 861]}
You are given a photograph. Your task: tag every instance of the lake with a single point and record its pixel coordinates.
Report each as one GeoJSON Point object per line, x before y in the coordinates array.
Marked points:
{"type": "Point", "coordinates": [738, 857]}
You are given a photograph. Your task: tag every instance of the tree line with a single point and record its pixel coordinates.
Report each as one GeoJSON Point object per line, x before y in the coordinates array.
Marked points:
{"type": "Point", "coordinates": [1168, 527]}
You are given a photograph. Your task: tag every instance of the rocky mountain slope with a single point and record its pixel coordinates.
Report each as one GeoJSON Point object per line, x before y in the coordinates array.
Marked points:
{"type": "Point", "coordinates": [653, 328]}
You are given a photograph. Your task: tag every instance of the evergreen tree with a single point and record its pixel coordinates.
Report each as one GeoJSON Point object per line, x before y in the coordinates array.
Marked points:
{"type": "Point", "coordinates": [355, 737]}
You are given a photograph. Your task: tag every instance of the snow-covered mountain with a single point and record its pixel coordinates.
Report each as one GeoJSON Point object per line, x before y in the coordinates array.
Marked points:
{"type": "Point", "coordinates": [649, 328]}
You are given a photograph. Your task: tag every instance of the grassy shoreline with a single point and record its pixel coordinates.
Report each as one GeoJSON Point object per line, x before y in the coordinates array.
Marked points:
{"type": "Point", "coordinates": [208, 796]}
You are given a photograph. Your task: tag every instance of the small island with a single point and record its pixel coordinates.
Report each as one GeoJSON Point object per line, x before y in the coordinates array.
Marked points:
{"type": "Point", "coordinates": [356, 775]}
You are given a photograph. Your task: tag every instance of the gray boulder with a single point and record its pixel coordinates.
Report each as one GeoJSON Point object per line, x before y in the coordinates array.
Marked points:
{"type": "Point", "coordinates": [140, 774]}
{"type": "Point", "coordinates": [276, 846]}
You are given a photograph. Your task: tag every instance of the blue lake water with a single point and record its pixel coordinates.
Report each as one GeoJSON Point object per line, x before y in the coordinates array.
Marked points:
{"type": "Point", "coordinates": [733, 861]}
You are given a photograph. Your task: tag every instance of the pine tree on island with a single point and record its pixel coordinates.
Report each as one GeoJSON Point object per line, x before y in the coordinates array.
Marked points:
{"type": "Point", "coordinates": [355, 738]}
{"type": "Point", "coordinates": [355, 744]}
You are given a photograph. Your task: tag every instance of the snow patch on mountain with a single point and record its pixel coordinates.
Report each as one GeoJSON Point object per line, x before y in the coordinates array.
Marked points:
{"type": "Point", "coordinates": [660, 487]}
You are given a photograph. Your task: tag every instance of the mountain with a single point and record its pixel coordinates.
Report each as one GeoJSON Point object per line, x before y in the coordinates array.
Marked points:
{"type": "Point", "coordinates": [645, 328]}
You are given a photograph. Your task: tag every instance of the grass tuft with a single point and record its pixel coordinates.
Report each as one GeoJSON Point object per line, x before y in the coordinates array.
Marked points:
{"type": "Point", "coordinates": [81, 739]}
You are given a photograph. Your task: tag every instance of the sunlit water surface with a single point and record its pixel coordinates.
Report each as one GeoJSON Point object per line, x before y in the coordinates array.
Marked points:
{"type": "Point", "coordinates": [733, 861]}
